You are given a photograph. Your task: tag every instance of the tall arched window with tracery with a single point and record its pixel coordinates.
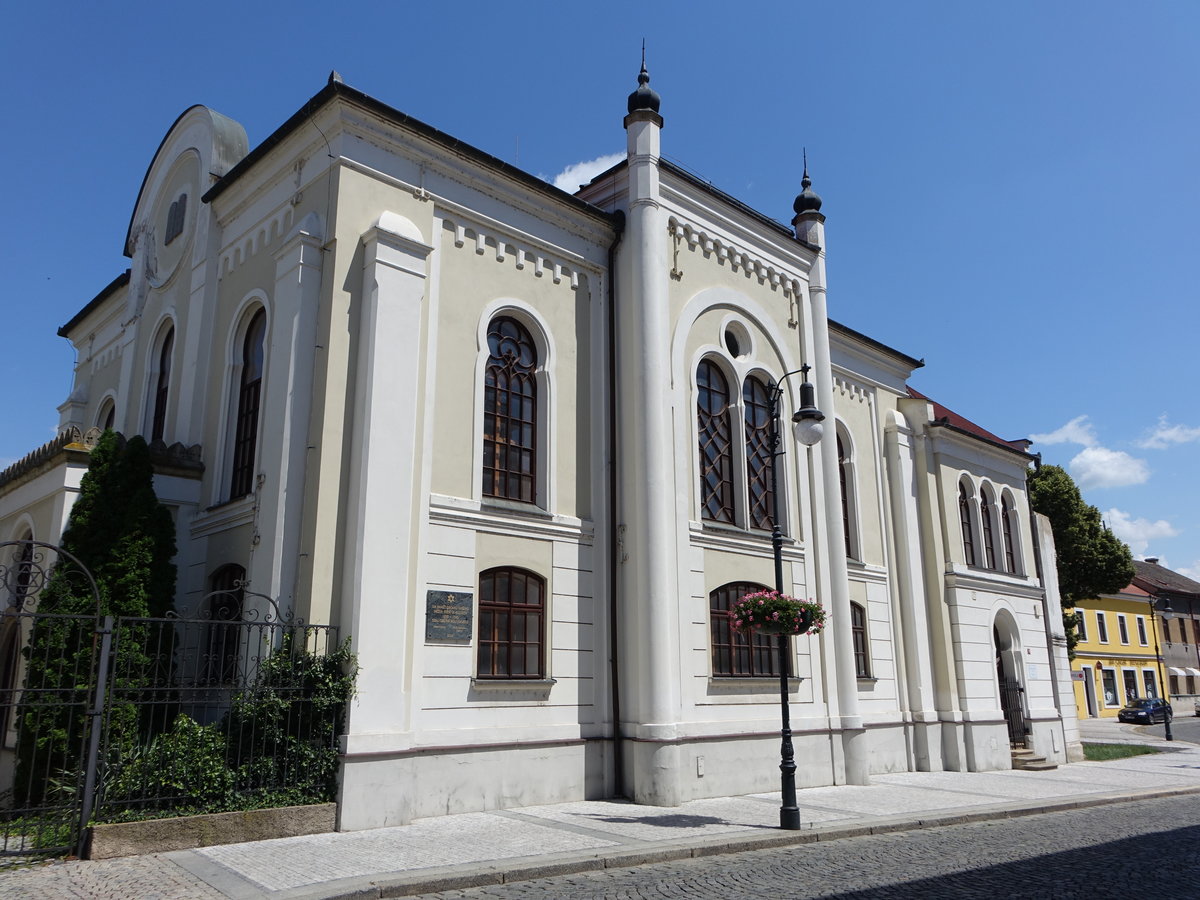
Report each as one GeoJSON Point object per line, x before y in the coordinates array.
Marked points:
{"type": "Point", "coordinates": [989, 536]}
{"type": "Point", "coordinates": [756, 397]}
{"type": "Point", "coordinates": [968, 528]}
{"type": "Point", "coordinates": [510, 412]}
{"type": "Point", "coordinates": [162, 386]}
{"type": "Point", "coordinates": [249, 396]}
{"type": "Point", "coordinates": [1010, 535]}
{"type": "Point", "coordinates": [716, 443]}
{"type": "Point", "coordinates": [734, 655]}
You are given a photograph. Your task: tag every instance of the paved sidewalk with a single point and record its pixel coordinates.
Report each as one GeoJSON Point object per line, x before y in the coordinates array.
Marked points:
{"type": "Point", "coordinates": [453, 852]}
{"type": "Point", "coordinates": [1110, 731]}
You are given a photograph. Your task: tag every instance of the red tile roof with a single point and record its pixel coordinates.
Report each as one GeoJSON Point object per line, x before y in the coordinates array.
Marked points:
{"type": "Point", "coordinates": [944, 416]}
{"type": "Point", "coordinates": [1156, 579]}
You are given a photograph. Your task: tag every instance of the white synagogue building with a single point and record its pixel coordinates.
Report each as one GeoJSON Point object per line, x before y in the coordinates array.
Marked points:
{"type": "Point", "coordinates": [514, 442]}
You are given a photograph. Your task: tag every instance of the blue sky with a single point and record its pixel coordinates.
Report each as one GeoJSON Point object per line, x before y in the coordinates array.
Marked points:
{"type": "Point", "coordinates": [1011, 189]}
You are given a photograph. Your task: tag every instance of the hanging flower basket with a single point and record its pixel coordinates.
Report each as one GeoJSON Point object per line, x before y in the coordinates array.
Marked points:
{"type": "Point", "coordinates": [770, 612]}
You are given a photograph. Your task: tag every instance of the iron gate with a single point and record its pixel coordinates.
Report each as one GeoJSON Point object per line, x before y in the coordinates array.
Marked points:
{"type": "Point", "coordinates": [95, 709]}
{"type": "Point", "coordinates": [1012, 702]}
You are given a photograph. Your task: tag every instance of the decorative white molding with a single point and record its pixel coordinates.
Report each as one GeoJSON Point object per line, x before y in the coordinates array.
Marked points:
{"type": "Point", "coordinates": [851, 390]}
{"type": "Point", "coordinates": [738, 540]}
{"type": "Point", "coordinates": [502, 246]}
{"type": "Point", "coordinates": [737, 257]}
{"type": "Point", "coordinates": [267, 232]}
{"type": "Point", "coordinates": [530, 522]}
{"type": "Point", "coordinates": [225, 516]}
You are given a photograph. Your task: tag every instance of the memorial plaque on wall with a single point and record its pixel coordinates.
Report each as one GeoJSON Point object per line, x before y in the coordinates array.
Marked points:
{"type": "Point", "coordinates": [448, 617]}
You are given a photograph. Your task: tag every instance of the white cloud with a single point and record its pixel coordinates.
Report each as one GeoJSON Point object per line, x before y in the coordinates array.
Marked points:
{"type": "Point", "coordinates": [1138, 533]}
{"type": "Point", "coordinates": [1192, 571]}
{"type": "Point", "coordinates": [1164, 435]}
{"type": "Point", "coordinates": [1099, 467]}
{"type": "Point", "coordinates": [570, 178]}
{"type": "Point", "coordinates": [1077, 431]}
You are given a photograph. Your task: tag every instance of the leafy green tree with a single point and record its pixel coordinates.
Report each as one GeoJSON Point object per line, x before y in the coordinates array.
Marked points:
{"type": "Point", "coordinates": [126, 539]}
{"type": "Point", "coordinates": [1091, 559]}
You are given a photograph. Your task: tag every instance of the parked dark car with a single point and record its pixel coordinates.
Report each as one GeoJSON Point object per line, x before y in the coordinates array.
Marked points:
{"type": "Point", "coordinates": [1146, 710]}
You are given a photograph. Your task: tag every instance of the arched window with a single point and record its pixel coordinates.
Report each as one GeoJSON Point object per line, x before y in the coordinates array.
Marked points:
{"type": "Point", "coordinates": [858, 632]}
{"type": "Point", "coordinates": [968, 528]}
{"type": "Point", "coordinates": [223, 640]}
{"type": "Point", "coordinates": [107, 416]}
{"type": "Point", "coordinates": [24, 568]}
{"type": "Point", "coordinates": [510, 413]}
{"type": "Point", "coordinates": [734, 655]}
{"type": "Point", "coordinates": [1011, 532]}
{"type": "Point", "coordinates": [716, 443]}
{"type": "Point", "coordinates": [162, 386]}
{"type": "Point", "coordinates": [989, 537]}
{"type": "Point", "coordinates": [846, 486]}
{"type": "Point", "coordinates": [245, 438]}
{"type": "Point", "coordinates": [757, 401]}
{"type": "Point", "coordinates": [512, 617]}
{"type": "Point", "coordinates": [175, 219]}
{"type": "Point", "coordinates": [10, 633]}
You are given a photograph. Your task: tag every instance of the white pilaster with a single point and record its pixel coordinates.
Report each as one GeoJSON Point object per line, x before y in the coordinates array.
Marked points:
{"type": "Point", "coordinates": [910, 586]}
{"type": "Point", "coordinates": [650, 589]}
{"type": "Point", "coordinates": [289, 378]}
{"type": "Point", "coordinates": [850, 723]}
{"type": "Point", "coordinates": [381, 514]}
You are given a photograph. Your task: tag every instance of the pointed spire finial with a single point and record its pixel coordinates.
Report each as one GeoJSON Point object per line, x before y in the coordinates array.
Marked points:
{"type": "Point", "coordinates": [645, 97]}
{"type": "Point", "coordinates": [807, 200]}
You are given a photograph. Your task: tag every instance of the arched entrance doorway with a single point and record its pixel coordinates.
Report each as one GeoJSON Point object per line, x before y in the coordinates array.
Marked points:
{"type": "Point", "coordinates": [1008, 669]}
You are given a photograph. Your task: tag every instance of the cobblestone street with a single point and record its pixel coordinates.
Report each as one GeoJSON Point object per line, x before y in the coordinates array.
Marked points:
{"type": "Point", "coordinates": [1129, 850]}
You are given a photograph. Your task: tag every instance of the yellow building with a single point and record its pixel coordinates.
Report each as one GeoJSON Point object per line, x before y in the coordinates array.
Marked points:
{"type": "Point", "coordinates": [1115, 659]}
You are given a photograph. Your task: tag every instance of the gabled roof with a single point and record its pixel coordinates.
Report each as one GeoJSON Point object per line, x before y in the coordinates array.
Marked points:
{"type": "Point", "coordinates": [337, 88]}
{"type": "Point", "coordinates": [119, 282]}
{"type": "Point", "coordinates": [910, 361]}
{"type": "Point", "coordinates": [947, 418]}
{"type": "Point", "coordinates": [1156, 579]}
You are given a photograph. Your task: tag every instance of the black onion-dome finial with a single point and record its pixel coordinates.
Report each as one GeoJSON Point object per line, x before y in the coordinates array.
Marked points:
{"type": "Point", "coordinates": [645, 97]}
{"type": "Point", "coordinates": [807, 200]}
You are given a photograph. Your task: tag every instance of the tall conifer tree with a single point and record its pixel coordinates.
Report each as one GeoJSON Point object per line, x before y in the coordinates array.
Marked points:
{"type": "Point", "coordinates": [126, 539]}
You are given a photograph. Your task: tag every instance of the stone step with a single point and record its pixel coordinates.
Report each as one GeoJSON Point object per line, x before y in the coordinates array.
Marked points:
{"type": "Point", "coordinates": [1031, 762]}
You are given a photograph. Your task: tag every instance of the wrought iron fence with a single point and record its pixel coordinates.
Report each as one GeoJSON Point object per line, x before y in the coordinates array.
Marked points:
{"type": "Point", "coordinates": [107, 718]}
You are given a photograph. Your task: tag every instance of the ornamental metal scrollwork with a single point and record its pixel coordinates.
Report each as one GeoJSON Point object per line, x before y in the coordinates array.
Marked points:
{"type": "Point", "coordinates": [236, 611]}
{"type": "Point", "coordinates": [25, 571]}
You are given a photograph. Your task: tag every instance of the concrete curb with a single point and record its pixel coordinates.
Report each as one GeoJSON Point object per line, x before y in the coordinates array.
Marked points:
{"type": "Point", "coordinates": [452, 878]}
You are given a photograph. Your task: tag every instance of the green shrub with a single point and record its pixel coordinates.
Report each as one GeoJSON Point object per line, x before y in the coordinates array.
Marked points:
{"type": "Point", "coordinates": [275, 747]}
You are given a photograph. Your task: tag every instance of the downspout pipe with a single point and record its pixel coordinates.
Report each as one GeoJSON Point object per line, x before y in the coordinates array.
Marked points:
{"type": "Point", "coordinates": [613, 535]}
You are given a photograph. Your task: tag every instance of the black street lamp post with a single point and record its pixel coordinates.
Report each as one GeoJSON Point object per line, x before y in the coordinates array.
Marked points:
{"type": "Point", "coordinates": [807, 429]}
{"type": "Point", "coordinates": [1165, 614]}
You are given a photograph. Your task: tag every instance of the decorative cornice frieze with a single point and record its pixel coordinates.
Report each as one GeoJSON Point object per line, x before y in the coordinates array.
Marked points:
{"type": "Point", "coordinates": [75, 444]}
{"type": "Point", "coordinates": [502, 247]}
{"type": "Point", "coordinates": [851, 390]}
{"type": "Point", "coordinates": [735, 256]}
{"type": "Point", "coordinates": [274, 227]}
